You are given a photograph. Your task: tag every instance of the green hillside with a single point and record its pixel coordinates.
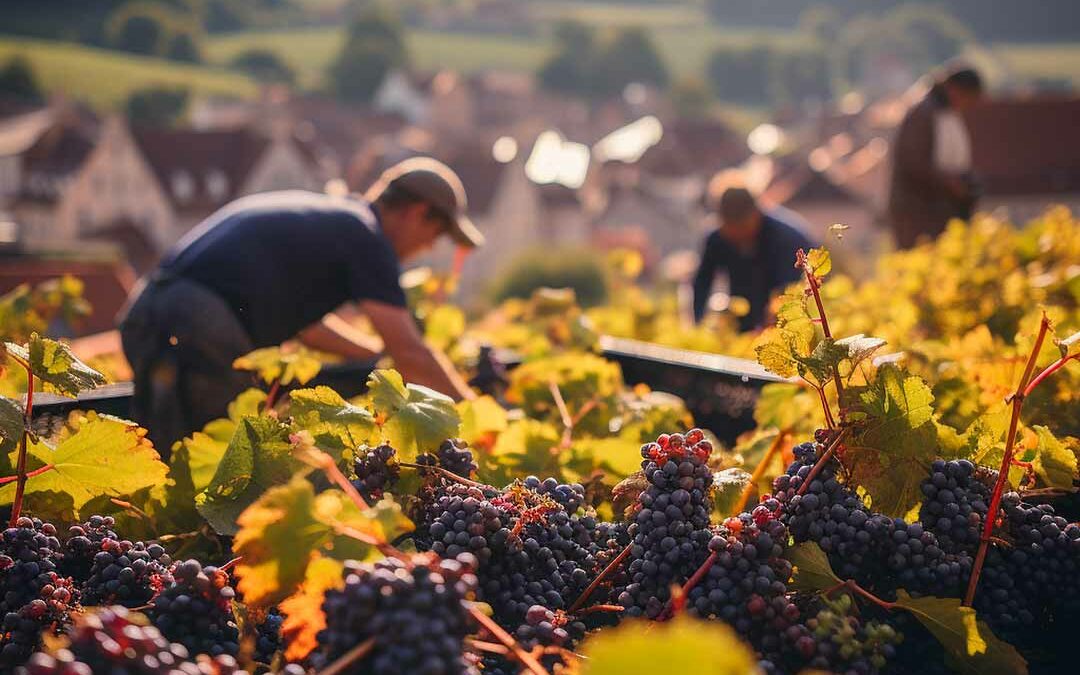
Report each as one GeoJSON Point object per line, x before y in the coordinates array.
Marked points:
{"type": "Point", "coordinates": [105, 79]}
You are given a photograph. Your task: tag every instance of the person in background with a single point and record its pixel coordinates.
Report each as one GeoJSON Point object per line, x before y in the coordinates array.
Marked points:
{"type": "Point", "coordinates": [932, 180]}
{"type": "Point", "coordinates": [755, 248]}
{"type": "Point", "coordinates": [274, 267]}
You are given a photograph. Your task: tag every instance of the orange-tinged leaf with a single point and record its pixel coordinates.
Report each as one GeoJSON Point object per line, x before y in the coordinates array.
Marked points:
{"type": "Point", "coordinates": [304, 617]}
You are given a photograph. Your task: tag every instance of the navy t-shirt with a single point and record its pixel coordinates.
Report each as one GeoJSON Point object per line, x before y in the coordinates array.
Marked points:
{"type": "Point", "coordinates": [283, 260]}
{"type": "Point", "coordinates": [754, 275]}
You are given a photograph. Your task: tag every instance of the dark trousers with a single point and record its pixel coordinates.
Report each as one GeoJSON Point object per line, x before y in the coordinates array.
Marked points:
{"type": "Point", "coordinates": [181, 339]}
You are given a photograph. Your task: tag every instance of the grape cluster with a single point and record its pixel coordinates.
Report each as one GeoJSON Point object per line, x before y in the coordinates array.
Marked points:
{"type": "Point", "coordinates": [376, 471]}
{"type": "Point", "coordinates": [413, 609]}
{"type": "Point", "coordinates": [268, 641]}
{"type": "Point", "coordinates": [955, 504]}
{"type": "Point", "coordinates": [114, 641]}
{"type": "Point", "coordinates": [83, 543]}
{"type": "Point", "coordinates": [195, 610]}
{"type": "Point", "coordinates": [670, 533]}
{"type": "Point", "coordinates": [846, 643]}
{"type": "Point", "coordinates": [569, 496]}
{"type": "Point", "coordinates": [126, 573]}
{"type": "Point", "coordinates": [453, 455]}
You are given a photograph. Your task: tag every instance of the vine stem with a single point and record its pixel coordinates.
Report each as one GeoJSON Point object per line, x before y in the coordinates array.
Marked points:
{"type": "Point", "coordinates": [271, 396]}
{"type": "Point", "coordinates": [20, 470]}
{"type": "Point", "coordinates": [516, 651]}
{"type": "Point", "coordinates": [348, 658]}
{"type": "Point", "coordinates": [449, 475]}
{"type": "Point", "coordinates": [231, 564]}
{"type": "Point", "coordinates": [1017, 402]}
{"type": "Point", "coordinates": [814, 284]}
{"type": "Point", "coordinates": [600, 608]}
{"type": "Point", "coordinates": [29, 474]}
{"type": "Point", "coordinates": [829, 422]}
{"type": "Point", "coordinates": [386, 548]}
{"type": "Point", "coordinates": [778, 443]}
{"type": "Point", "coordinates": [605, 573]}
{"type": "Point", "coordinates": [825, 457]}
{"type": "Point", "coordinates": [852, 587]}
{"type": "Point", "coordinates": [678, 601]}
{"type": "Point", "coordinates": [1048, 371]}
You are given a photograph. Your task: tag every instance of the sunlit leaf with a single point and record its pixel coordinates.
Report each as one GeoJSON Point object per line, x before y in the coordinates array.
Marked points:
{"type": "Point", "coordinates": [820, 262]}
{"type": "Point", "coordinates": [728, 486]}
{"type": "Point", "coordinates": [480, 417]}
{"type": "Point", "coordinates": [812, 569]}
{"type": "Point", "coordinates": [104, 456]}
{"type": "Point", "coordinates": [56, 367]}
{"type": "Point", "coordinates": [418, 419]}
{"type": "Point", "coordinates": [279, 364]}
{"type": "Point", "coordinates": [304, 617]}
{"type": "Point", "coordinates": [324, 413]}
{"type": "Point", "coordinates": [11, 424]}
{"type": "Point", "coordinates": [1054, 464]}
{"type": "Point", "coordinates": [688, 646]}
{"type": "Point", "coordinates": [969, 644]}
{"type": "Point", "coordinates": [444, 325]}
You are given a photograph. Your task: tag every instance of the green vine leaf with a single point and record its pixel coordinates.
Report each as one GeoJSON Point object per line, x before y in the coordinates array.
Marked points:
{"type": "Point", "coordinates": [58, 369]}
{"type": "Point", "coordinates": [416, 419]}
{"type": "Point", "coordinates": [11, 425]}
{"type": "Point", "coordinates": [332, 420]}
{"type": "Point", "coordinates": [791, 341]}
{"type": "Point", "coordinates": [104, 456]}
{"type": "Point", "coordinates": [259, 457]}
{"type": "Point", "coordinates": [813, 572]}
{"type": "Point", "coordinates": [1054, 464]}
{"type": "Point", "coordinates": [276, 364]}
{"type": "Point", "coordinates": [969, 644]}
{"type": "Point", "coordinates": [820, 262]}
{"type": "Point", "coordinates": [480, 418]}
{"type": "Point", "coordinates": [689, 646]}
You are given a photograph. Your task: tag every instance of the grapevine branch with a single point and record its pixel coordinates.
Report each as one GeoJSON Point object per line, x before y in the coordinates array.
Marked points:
{"type": "Point", "coordinates": [1023, 388]}
{"type": "Point", "coordinates": [605, 573]}
{"type": "Point", "coordinates": [20, 470]}
{"type": "Point", "coordinates": [852, 587]}
{"type": "Point", "coordinates": [830, 450]}
{"type": "Point", "coordinates": [29, 474]}
{"type": "Point", "coordinates": [813, 284]}
{"type": "Point", "coordinates": [271, 396]}
{"type": "Point", "coordinates": [678, 600]}
{"type": "Point", "coordinates": [449, 475]}
{"type": "Point", "coordinates": [569, 421]}
{"type": "Point", "coordinates": [516, 651]}
{"type": "Point", "coordinates": [779, 442]}
{"type": "Point", "coordinates": [348, 658]}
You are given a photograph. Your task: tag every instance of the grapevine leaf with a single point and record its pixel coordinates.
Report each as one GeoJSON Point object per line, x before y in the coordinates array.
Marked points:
{"type": "Point", "coordinates": [444, 325]}
{"type": "Point", "coordinates": [304, 617]}
{"type": "Point", "coordinates": [728, 486]}
{"type": "Point", "coordinates": [417, 418]}
{"type": "Point", "coordinates": [775, 356]}
{"type": "Point", "coordinates": [690, 646]}
{"type": "Point", "coordinates": [820, 262]}
{"type": "Point", "coordinates": [859, 347]}
{"type": "Point", "coordinates": [277, 537]}
{"type": "Point", "coordinates": [59, 370]}
{"type": "Point", "coordinates": [104, 456]}
{"type": "Point", "coordinates": [324, 413]}
{"type": "Point", "coordinates": [384, 521]}
{"type": "Point", "coordinates": [11, 425]}
{"type": "Point", "coordinates": [969, 644]}
{"type": "Point", "coordinates": [526, 448]}
{"type": "Point", "coordinates": [792, 339]}
{"type": "Point", "coordinates": [1069, 346]}
{"type": "Point", "coordinates": [278, 364]}
{"type": "Point", "coordinates": [1054, 464]}
{"type": "Point", "coordinates": [259, 456]}
{"type": "Point", "coordinates": [624, 496]}
{"type": "Point", "coordinates": [897, 441]}
{"type": "Point", "coordinates": [812, 569]}
{"type": "Point", "coordinates": [787, 407]}
{"type": "Point", "coordinates": [826, 356]}
{"type": "Point", "coordinates": [480, 418]}
{"type": "Point", "coordinates": [617, 455]}
{"type": "Point", "coordinates": [204, 456]}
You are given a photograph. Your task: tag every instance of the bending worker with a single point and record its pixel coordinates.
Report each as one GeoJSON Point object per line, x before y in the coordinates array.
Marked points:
{"type": "Point", "coordinates": [273, 267]}
{"type": "Point", "coordinates": [756, 249]}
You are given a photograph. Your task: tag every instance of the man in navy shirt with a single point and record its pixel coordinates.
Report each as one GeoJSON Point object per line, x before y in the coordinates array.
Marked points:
{"type": "Point", "coordinates": [276, 266]}
{"type": "Point", "coordinates": [757, 250]}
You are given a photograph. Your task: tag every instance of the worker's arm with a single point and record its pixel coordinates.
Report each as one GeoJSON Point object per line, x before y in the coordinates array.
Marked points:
{"type": "Point", "coordinates": [415, 360]}
{"type": "Point", "coordinates": [333, 334]}
{"type": "Point", "coordinates": [703, 280]}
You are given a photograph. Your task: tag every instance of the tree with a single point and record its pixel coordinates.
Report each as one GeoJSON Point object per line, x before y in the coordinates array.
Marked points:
{"type": "Point", "coordinates": [265, 66]}
{"type": "Point", "coordinates": [568, 70]}
{"type": "Point", "coordinates": [630, 57]}
{"type": "Point", "coordinates": [183, 47]}
{"type": "Point", "coordinates": [139, 28]}
{"type": "Point", "coordinates": [17, 80]}
{"type": "Point", "coordinates": [741, 73]}
{"type": "Point", "coordinates": [799, 72]}
{"type": "Point", "coordinates": [157, 106]}
{"type": "Point", "coordinates": [375, 45]}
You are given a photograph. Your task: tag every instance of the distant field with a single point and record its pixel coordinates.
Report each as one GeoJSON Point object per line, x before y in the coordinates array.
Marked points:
{"type": "Point", "coordinates": [1058, 61]}
{"type": "Point", "coordinates": [105, 79]}
{"type": "Point", "coordinates": [606, 14]}
{"type": "Point", "coordinates": [309, 50]}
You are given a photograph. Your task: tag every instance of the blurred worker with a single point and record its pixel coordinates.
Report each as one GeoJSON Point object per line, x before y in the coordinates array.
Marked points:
{"type": "Point", "coordinates": [272, 267]}
{"type": "Point", "coordinates": [932, 180]}
{"type": "Point", "coordinates": [757, 249]}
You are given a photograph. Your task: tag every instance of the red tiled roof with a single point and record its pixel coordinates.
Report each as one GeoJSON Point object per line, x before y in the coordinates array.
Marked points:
{"type": "Point", "coordinates": [213, 165]}
{"type": "Point", "coordinates": [804, 184]}
{"type": "Point", "coordinates": [1028, 146]}
{"type": "Point", "coordinates": [106, 285]}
